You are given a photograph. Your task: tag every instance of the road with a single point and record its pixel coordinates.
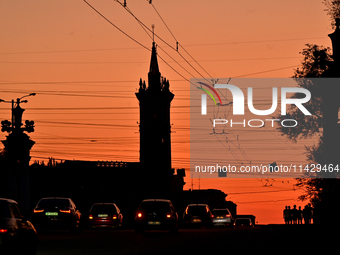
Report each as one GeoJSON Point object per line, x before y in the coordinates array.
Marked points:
{"type": "Point", "coordinates": [189, 241]}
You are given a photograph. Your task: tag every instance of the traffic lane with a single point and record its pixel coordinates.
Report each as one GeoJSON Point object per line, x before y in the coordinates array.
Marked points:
{"type": "Point", "coordinates": [197, 241]}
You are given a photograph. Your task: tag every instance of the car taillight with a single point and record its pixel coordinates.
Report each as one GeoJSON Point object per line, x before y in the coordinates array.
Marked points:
{"type": "Point", "coordinates": [38, 211]}
{"type": "Point", "coordinates": [3, 230]}
{"type": "Point", "coordinates": [139, 215]}
{"type": "Point", "coordinates": [114, 217]}
{"type": "Point", "coordinates": [227, 215]}
{"type": "Point", "coordinates": [168, 215]}
{"type": "Point", "coordinates": [90, 217]}
{"type": "Point", "coordinates": [65, 211]}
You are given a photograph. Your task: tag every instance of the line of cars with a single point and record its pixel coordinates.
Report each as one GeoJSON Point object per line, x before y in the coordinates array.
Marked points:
{"type": "Point", "coordinates": [59, 212]}
{"type": "Point", "coordinates": [201, 215]}
{"type": "Point", "coordinates": [18, 235]}
{"type": "Point", "coordinates": [160, 214]}
{"type": "Point", "coordinates": [151, 214]}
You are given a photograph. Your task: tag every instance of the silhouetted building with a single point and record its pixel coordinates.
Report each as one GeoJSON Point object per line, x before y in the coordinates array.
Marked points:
{"type": "Point", "coordinates": [155, 129]}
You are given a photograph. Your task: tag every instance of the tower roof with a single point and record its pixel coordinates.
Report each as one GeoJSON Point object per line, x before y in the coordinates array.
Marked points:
{"type": "Point", "coordinates": [154, 63]}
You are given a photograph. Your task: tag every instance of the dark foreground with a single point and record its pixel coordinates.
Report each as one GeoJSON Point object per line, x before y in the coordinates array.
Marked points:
{"type": "Point", "coordinates": [299, 238]}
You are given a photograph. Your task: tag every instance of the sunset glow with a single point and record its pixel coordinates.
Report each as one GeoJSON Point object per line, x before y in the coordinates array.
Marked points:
{"type": "Point", "coordinates": [85, 73]}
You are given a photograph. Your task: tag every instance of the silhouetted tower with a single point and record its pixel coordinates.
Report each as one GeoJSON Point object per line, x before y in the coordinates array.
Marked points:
{"type": "Point", "coordinates": [155, 128]}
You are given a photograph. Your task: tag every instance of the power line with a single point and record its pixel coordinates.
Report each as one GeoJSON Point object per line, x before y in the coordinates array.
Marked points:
{"type": "Point", "coordinates": [162, 20]}
{"type": "Point", "coordinates": [258, 41]}
{"type": "Point", "coordinates": [266, 201]}
{"type": "Point", "coordinates": [146, 27]}
{"type": "Point", "coordinates": [267, 71]}
{"type": "Point", "coordinates": [180, 45]}
{"type": "Point", "coordinates": [65, 51]}
{"type": "Point", "coordinates": [141, 23]}
{"type": "Point", "coordinates": [134, 48]}
{"type": "Point", "coordinates": [116, 26]}
{"type": "Point", "coordinates": [138, 62]}
{"type": "Point", "coordinates": [133, 38]}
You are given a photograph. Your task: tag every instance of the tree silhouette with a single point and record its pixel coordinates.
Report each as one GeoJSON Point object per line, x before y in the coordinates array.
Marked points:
{"type": "Point", "coordinates": [323, 193]}
{"type": "Point", "coordinates": [333, 10]}
{"type": "Point", "coordinates": [317, 63]}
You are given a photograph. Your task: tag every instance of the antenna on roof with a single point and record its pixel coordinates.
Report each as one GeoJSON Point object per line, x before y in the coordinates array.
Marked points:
{"type": "Point", "coordinates": [153, 32]}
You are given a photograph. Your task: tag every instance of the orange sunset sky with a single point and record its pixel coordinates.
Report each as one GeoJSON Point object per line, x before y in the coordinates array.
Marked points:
{"type": "Point", "coordinates": [85, 73]}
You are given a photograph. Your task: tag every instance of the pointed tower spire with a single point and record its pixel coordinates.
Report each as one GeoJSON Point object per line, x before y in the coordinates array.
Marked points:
{"type": "Point", "coordinates": [154, 74]}
{"type": "Point", "coordinates": [154, 62]}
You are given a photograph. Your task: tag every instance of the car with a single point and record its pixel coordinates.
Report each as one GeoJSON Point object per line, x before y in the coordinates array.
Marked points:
{"type": "Point", "coordinates": [17, 234]}
{"type": "Point", "coordinates": [105, 215]}
{"type": "Point", "coordinates": [156, 214]}
{"type": "Point", "coordinates": [56, 212]}
{"type": "Point", "coordinates": [197, 215]}
{"type": "Point", "coordinates": [222, 217]}
{"type": "Point", "coordinates": [243, 222]}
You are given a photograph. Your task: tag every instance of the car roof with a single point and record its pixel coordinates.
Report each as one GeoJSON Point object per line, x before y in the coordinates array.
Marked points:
{"type": "Point", "coordinates": [55, 198]}
{"type": "Point", "coordinates": [97, 204]}
{"type": "Point", "coordinates": [8, 200]}
{"type": "Point", "coordinates": [156, 199]}
{"type": "Point", "coordinates": [104, 204]}
{"type": "Point", "coordinates": [197, 205]}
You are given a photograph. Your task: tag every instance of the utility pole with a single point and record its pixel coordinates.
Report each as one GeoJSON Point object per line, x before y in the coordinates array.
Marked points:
{"type": "Point", "coordinates": [17, 154]}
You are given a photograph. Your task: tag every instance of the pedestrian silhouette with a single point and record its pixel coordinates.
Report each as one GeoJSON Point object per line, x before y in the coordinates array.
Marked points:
{"type": "Point", "coordinates": [294, 213]}
{"type": "Point", "coordinates": [289, 215]}
{"type": "Point", "coordinates": [299, 215]}
{"type": "Point", "coordinates": [307, 214]}
{"type": "Point", "coordinates": [286, 215]}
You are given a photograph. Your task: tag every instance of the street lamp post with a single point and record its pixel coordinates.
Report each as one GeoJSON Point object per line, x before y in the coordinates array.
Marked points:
{"type": "Point", "coordinates": [17, 111]}
{"type": "Point", "coordinates": [17, 148]}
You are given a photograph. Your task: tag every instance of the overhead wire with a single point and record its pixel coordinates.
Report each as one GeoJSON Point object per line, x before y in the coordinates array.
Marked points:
{"type": "Point", "coordinates": [146, 27]}
{"type": "Point", "coordinates": [120, 30]}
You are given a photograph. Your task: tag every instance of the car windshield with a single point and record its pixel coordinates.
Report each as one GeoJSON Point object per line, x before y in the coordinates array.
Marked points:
{"type": "Point", "coordinates": [54, 203]}
{"type": "Point", "coordinates": [4, 210]}
{"type": "Point", "coordinates": [221, 212]}
{"type": "Point", "coordinates": [196, 210]}
{"type": "Point", "coordinates": [155, 206]}
{"type": "Point", "coordinates": [103, 208]}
